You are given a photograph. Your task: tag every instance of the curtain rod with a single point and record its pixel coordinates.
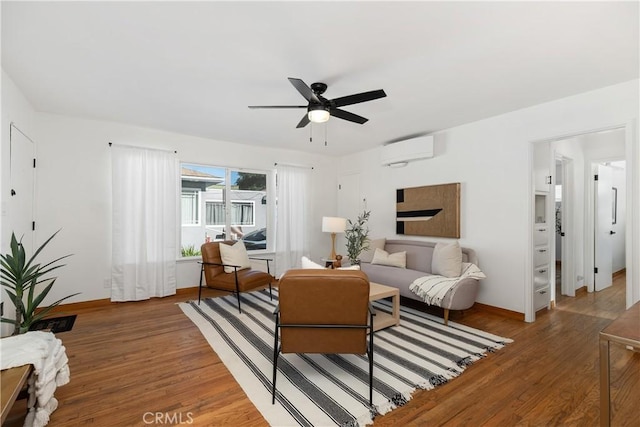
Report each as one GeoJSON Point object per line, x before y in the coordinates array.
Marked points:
{"type": "Point", "coordinates": [293, 166]}
{"type": "Point", "coordinates": [145, 148]}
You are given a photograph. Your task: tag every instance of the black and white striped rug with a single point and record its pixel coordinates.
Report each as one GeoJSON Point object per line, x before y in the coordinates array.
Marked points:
{"type": "Point", "coordinates": [324, 390]}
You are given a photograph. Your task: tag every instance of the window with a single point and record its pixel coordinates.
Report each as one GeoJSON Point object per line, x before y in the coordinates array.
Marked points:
{"type": "Point", "coordinates": [232, 204]}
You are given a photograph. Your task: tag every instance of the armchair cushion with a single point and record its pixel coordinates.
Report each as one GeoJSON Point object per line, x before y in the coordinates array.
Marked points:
{"type": "Point", "coordinates": [235, 254]}
{"type": "Point", "coordinates": [324, 297]}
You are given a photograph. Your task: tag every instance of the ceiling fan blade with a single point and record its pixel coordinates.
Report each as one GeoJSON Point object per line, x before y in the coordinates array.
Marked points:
{"type": "Point", "coordinates": [304, 90]}
{"type": "Point", "coordinates": [345, 115]}
{"type": "Point", "coordinates": [278, 106]}
{"type": "Point", "coordinates": [357, 98]}
{"type": "Point", "coordinates": [303, 122]}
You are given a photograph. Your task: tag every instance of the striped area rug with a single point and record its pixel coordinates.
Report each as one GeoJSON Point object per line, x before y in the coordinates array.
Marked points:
{"type": "Point", "coordinates": [324, 390]}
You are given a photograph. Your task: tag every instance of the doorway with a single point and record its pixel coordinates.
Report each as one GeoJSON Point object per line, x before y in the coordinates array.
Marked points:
{"type": "Point", "coordinates": [569, 165]}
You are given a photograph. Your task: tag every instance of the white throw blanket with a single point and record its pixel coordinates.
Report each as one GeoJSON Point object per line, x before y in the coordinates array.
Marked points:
{"type": "Point", "coordinates": [432, 289]}
{"type": "Point", "coordinates": [47, 355]}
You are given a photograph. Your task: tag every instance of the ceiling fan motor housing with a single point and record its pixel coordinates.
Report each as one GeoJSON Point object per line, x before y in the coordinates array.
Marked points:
{"type": "Point", "coordinates": [318, 88]}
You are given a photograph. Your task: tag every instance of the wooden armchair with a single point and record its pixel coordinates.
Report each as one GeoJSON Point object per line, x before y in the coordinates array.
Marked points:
{"type": "Point", "coordinates": [240, 280]}
{"type": "Point", "coordinates": [323, 311]}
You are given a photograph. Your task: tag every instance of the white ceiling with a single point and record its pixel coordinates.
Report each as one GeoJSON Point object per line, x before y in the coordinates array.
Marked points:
{"type": "Point", "coordinates": [194, 67]}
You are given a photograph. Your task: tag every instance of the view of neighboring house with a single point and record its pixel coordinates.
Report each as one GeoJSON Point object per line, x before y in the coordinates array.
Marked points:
{"type": "Point", "coordinates": [209, 215]}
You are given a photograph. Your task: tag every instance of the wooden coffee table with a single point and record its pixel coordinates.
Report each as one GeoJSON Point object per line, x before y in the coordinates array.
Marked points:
{"type": "Point", "coordinates": [382, 319]}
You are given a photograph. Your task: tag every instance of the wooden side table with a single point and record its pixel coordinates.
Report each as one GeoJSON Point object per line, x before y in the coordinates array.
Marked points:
{"type": "Point", "coordinates": [624, 330]}
{"type": "Point", "coordinates": [12, 382]}
{"type": "Point", "coordinates": [384, 320]}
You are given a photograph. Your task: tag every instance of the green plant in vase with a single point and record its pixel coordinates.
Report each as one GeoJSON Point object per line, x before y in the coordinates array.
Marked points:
{"type": "Point", "coordinates": [20, 277]}
{"type": "Point", "coordinates": [357, 236]}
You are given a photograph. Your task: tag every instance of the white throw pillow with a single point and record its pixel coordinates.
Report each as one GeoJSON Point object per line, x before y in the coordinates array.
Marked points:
{"type": "Point", "coordinates": [447, 259]}
{"type": "Point", "coordinates": [398, 259]}
{"type": "Point", "coordinates": [351, 267]}
{"type": "Point", "coordinates": [308, 264]}
{"type": "Point", "coordinates": [235, 254]}
{"type": "Point", "coordinates": [367, 256]}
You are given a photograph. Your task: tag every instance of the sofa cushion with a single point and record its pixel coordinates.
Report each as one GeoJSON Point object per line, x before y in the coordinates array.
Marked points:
{"type": "Point", "coordinates": [447, 259]}
{"type": "Point", "coordinates": [399, 278]}
{"type": "Point", "coordinates": [367, 256]}
{"type": "Point", "coordinates": [235, 254]}
{"type": "Point", "coordinates": [398, 259]}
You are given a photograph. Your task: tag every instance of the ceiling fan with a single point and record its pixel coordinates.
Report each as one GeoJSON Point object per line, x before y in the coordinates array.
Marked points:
{"type": "Point", "coordinates": [320, 108]}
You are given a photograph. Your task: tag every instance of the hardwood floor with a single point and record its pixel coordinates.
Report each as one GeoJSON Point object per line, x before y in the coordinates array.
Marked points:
{"type": "Point", "coordinates": [131, 362]}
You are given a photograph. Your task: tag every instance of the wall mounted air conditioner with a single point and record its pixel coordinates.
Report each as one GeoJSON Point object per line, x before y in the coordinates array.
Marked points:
{"type": "Point", "coordinates": [401, 152]}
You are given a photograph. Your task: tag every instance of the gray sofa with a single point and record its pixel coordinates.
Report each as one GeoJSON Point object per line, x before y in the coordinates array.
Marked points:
{"type": "Point", "coordinates": [419, 254]}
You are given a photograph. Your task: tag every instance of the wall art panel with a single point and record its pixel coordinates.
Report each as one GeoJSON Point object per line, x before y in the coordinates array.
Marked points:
{"type": "Point", "coordinates": [432, 210]}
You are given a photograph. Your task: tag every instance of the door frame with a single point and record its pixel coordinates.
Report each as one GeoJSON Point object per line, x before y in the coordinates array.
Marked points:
{"type": "Point", "coordinates": [632, 232]}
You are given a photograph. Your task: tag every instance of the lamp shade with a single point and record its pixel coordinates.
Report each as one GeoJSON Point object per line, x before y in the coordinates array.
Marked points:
{"type": "Point", "coordinates": [331, 224]}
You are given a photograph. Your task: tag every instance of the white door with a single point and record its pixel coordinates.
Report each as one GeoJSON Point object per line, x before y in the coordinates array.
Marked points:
{"type": "Point", "coordinates": [22, 178]}
{"type": "Point", "coordinates": [348, 204]}
{"type": "Point", "coordinates": [603, 262]}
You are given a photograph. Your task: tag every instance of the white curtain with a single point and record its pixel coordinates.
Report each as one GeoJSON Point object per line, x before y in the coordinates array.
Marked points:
{"type": "Point", "coordinates": [292, 212]}
{"type": "Point", "coordinates": [145, 202]}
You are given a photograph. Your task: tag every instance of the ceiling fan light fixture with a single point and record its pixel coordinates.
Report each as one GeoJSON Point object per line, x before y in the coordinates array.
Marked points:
{"type": "Point", "coordinates": [318, 114]}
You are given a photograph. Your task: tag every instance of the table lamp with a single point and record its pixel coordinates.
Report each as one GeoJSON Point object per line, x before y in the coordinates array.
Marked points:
{"type": "Point", "coordinates": [333, 225]}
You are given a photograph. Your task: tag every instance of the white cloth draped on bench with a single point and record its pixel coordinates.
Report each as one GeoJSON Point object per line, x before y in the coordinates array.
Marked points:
{"type": "Point", "coordinates": [50, 369]}
{"type": "Point", "coordinates": [432, 289]}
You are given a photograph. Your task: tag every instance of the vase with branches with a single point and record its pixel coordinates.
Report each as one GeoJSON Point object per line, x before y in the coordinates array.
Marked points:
{"type": "Point", "coordinates": [357, 235]}
{"type": "Point", "coordinates": [20, 277]}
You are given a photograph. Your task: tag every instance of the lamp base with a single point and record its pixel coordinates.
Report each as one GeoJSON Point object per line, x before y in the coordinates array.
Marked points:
{"type": "Point", "coordinates": [332, 256]}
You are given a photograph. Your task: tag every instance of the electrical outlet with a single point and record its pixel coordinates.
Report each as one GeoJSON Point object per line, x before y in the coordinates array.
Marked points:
{"type": "Point", "coordinates": [107, 283]}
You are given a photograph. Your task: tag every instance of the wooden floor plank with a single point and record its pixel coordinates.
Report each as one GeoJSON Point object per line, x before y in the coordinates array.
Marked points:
{"type": "Point", "coordinates": [132, 359]}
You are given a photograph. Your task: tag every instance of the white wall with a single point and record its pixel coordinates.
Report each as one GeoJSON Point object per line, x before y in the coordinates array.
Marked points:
{"type": "Point", "coordinates": [73, 189]}
{"type": "Point", "coordinates": [15, 108]}
{"type": "Point", "coordinates": [492, 160]}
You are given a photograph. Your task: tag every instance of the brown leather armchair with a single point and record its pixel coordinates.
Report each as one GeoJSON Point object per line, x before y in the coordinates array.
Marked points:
{"type": "Point", "coordinates": [323, 311]}
{"type": "Point", "coordinates": [239, 281]}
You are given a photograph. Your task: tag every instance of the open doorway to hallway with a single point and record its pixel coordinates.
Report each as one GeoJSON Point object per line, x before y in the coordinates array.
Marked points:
{"type": "Point", "coordinates": [591, 212]}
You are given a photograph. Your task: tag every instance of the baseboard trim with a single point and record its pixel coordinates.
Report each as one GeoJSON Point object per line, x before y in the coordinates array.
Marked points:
{"type": "Point", "coordinates": [437, 311]}
{"type": "Point", "coordinates": [105, 302]}
{"type": "Point", "coordinates": [99, 303]}
{"type": "Point", "coordinates": [620, 272]}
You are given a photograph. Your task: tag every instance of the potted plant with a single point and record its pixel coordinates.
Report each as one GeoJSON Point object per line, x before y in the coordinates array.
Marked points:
{"type": "Point", "coordinates": [20, 276]}
{"type": "Point", "coordinates": [357, 235]}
